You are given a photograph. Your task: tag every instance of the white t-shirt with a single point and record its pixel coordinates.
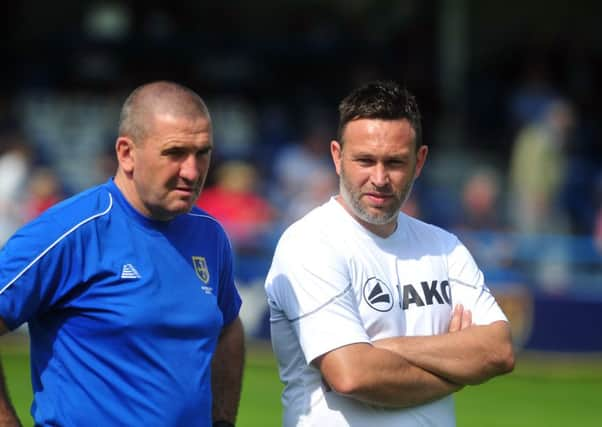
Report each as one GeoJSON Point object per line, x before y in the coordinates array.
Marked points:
{"type": "Point", "coordinates": [333, 283]}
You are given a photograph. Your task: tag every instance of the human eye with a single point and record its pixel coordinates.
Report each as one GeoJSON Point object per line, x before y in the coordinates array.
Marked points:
{"type": "Point", "coordinates": [397, 162]}
{"type": "Point", "coordinates": [174, 152]}
{"type": "Point", "coordinates": [364, 161]}
{"type": "Point", "coordinates": [204, 152]}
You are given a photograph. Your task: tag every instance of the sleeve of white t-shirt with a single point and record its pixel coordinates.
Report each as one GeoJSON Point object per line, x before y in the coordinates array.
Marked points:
{"type": "Point", "coordinates": [310, 286]}
{"type": "Point", "coordinates": [468, 286]}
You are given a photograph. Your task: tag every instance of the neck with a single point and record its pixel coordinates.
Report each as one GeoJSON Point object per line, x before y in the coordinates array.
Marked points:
{"type": "Point", "coordinates": [381, 230]}
{"type": "Point", "coordinates": [127, 188]}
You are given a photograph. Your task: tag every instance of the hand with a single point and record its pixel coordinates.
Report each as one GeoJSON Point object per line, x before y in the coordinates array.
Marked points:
{"type": "Point", "coordinates": [461, 319]}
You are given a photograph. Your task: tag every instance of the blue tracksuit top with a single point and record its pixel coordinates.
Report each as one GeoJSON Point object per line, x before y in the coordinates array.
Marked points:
{"type": "Point", "coordinates": [124, 312]}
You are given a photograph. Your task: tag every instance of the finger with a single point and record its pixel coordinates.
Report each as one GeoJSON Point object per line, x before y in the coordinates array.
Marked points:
{"type": "Point", "coordinates": [466, 319]}
{"type": "Point", "coordinates": [456, 321]}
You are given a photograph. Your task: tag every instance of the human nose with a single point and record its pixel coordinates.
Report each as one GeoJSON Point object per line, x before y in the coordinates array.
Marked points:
{"type": "Point", "coordinates": [380, 175]}
{"type": "Point", "coordinates": [190, 168]}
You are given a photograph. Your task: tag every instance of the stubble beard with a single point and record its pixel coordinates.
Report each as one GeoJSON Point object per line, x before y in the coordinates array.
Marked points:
{"type": "Point", "coordinates": [352, 199]}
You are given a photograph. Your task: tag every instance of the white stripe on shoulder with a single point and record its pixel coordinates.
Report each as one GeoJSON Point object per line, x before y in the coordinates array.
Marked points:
{"type": "Point", "coordinates": [208, 217]}
{"type": "Point", "coordinates": [56, 242]}
{"type": "Point", "coordinates": [203, 216]}
{"type": "Point", "coordinates": [334, 298]}
{"type": "Point", "coordinates": [469, 285]}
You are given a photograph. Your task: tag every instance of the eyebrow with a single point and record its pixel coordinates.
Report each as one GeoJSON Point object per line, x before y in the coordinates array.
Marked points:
{"type": "Point", "coordinates": [370, 154]}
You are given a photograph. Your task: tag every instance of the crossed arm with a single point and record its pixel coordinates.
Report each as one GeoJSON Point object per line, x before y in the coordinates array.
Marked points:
{"type": "Point", "coordinates": [8, 416]}
{"type": "Point", "coordinates": [468, 355]}
{"type": "Point", "coordinates": [408, 371]}
{"type": "Point", "coordinates": [380, 377]}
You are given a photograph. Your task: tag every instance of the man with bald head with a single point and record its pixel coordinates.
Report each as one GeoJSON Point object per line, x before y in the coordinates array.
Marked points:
{"type": "Point", "coordinates": [127, 288]}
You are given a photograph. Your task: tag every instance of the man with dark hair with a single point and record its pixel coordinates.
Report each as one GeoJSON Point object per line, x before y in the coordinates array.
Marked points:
{"type": "Point", "coordinates": [127, 288]}
{"type": "Point", "coordinates": [377, 317]}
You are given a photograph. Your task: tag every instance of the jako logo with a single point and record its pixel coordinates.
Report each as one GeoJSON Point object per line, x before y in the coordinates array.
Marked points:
{"type": "Point", "coordinates": [378, 295]}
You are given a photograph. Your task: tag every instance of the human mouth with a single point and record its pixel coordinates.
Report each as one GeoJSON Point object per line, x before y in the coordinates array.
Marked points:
{"type": "Point", "coordinates": [378, 198]}
{"type": "Point", "coordinates": [186, 191]}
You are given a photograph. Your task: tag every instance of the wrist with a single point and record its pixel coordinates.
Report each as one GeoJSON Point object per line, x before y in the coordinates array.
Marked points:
{"type": "Point", "coordinates": [222, 423]}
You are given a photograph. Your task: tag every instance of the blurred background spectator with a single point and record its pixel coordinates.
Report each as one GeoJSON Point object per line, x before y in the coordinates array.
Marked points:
{"type": "Point", "coordinates": [43, 190]}
{"type": "Point", "coordinates": [482, 205]}
{"type": "Point", "coordinates": [538, 168]}
{"type": "Point", "coordinates": [15, 166]}
{"type": "Point", "coordinates": [235, 199]}
{"type": "Point", "coordinates": [303, 176]}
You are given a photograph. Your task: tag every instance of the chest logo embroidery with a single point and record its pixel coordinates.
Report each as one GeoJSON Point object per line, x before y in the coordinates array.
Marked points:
{"type": "Point", "coordinates": [200, 268]}
{"type": "Point", "coordinates": [377, 294]}
{"type": "Point", "coordinates": [128, 271]}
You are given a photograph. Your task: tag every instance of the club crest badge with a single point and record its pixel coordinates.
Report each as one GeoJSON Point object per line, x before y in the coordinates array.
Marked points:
{"type": "Point", "coordinates": [200, 268]}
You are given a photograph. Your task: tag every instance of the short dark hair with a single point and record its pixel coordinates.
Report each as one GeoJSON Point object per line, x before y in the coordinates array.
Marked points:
{"type": "Point", "coordinates": [381, 99]}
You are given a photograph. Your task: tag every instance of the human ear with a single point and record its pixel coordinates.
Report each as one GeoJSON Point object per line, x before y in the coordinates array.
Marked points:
{"type": "Point", "coordinates": [124, 148]}
{"type": "Point", "coordinates": [336, 151]}
{"type": "Point", "coordinates": [420, 159]}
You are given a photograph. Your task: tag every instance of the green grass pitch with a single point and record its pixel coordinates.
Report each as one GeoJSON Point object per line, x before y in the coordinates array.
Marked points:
{"type": "Point", "coordinates": [543, 391]}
